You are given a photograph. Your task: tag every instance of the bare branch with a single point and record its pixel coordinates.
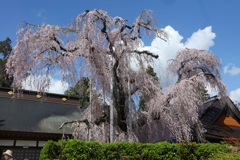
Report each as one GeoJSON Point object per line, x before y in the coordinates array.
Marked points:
{"type": "Point", "coordinates": [54, 38]}
{"type": "Point", "coordinates": [147, 53]}
{"type": "Point", "coordinates": [75, 121]}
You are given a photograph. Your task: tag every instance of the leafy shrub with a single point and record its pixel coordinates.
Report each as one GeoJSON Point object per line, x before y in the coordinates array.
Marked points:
{"type": "Point", "coordinates": [168, 150]}
{"type": "Point", "coordinates": [187, 150]}
{"type": "Point", "coordinates": [122, 150]}
{"type": "Point", "coordinates": [163, 150]}
{"type": "Point", "coordinates": [207, 150]}
{"type": "Point", "coordinates": [80, 150]}
{"type": "Point", "coordinates": [224, 156]}
{"type": "Point", "coordinates": [201, 151]}
{"type": "Point", "coordinates": [52, 150]}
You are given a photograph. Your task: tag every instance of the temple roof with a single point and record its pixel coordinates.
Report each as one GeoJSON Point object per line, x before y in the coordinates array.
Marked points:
{"type": "Point", "coordinates": [221, 119]}
{"type": "Point", "coordinates": [29, 111]}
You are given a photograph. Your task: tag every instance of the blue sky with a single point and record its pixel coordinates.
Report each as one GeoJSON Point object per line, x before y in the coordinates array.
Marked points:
{"type": "Point", "coordinates": [217, 21]}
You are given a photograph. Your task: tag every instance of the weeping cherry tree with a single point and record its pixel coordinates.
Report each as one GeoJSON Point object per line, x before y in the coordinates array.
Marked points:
{"type": "Point", "coordinates": [104, 48]}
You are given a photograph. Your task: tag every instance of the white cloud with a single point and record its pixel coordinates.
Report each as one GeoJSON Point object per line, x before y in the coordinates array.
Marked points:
{"type": "Point", "coordinates": [231, 69]}
{"type": "Point", "coordinates": [166, 50]}
{"type": "Point", "coordinates": [235, 95]}
{"type": "Point", "coordinates": [202, 39]}
{"type": "Point", "coordinates": [56, 85]}
{"type": "Point", "coordinates": [211, 91]}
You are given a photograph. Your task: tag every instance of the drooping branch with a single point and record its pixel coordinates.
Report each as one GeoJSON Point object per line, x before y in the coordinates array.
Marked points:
{"type": "Point", "coordinates": [146, 53]}
{"type": "Point", "coordinates": [85, 13]}
{"type": "Point", "coordinates": [75, 121]}
{"type": "Point", "coordinates": [104, 30]}
{"type": "Point", "coordinates": [125, 27]}
{"type": "Point", "coordinates": [54, 38]}
{"type": "Point", "coordinates": [191, 62]}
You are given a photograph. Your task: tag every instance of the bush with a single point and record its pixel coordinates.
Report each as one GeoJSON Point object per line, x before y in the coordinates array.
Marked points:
{"type": "Point", "coordinates": [52, 150]}
{"type": "Point", "coordinates": [122, 150]}
{"type": "Point", "coordinates": [80, 150]}
{"type": "Point", "coordinates": [224, 156]}
{"type": "Point", "coordinates": [163, 150]}
{"type": "Point", "coordinates": [187, 150]}
{"type": "Point", "coordinates": [207, 150]}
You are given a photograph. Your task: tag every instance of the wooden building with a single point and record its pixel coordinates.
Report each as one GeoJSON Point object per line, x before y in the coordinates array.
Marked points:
{"type": "Point", "coordinates": [28, 120]}
{"type": "Point", "coordinates": [221, 119]}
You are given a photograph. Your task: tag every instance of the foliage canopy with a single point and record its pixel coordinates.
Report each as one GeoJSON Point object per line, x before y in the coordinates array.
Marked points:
{"type": "Point", "coordinates": [5, 50]}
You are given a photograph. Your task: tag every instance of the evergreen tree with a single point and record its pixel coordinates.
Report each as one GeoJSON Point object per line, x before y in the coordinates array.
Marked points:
{"type": "Point", "coordinates": [204, 93]}
{"type": "Point", "coordinates": [81, 90]}
{"type": "Point", "coordinates": [151, 72]}
{"type": "Point", "coordinates": [143, 97]}
{"type": "Point", "coordinates": [5, 50]}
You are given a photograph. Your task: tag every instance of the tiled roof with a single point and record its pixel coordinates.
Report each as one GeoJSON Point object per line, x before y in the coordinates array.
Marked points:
{"type": "Point", "coordinates": [221, 119]}
{"type": "Point", "coordinates": [28, 113]}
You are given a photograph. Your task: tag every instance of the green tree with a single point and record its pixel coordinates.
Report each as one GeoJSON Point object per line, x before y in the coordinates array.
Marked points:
{"type": "Point", "coordinates": [143, 97]}
{"type": "Point", "coordinates": [204, 93]}
{"type": "Point", "coordinates": [5, 47]}
{"type": "Point", "coordinates": [151, 72]}
{"type": "Point", "coordinates": [81, 90]}
{"type": "Point", "coordinates": [5, 50]}
{"type": "Point", "coordinates": [142, 103]}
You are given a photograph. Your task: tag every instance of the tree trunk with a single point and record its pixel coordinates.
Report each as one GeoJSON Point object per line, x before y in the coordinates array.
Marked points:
{"type": "Point", "coordinates": [112, 103]}
{"type": "Point", "coordinates": [130, 129]}
{"type": "Point", "coordinates": [119, 97]}
{"type": "Point", "coordinates": [90, 119]}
